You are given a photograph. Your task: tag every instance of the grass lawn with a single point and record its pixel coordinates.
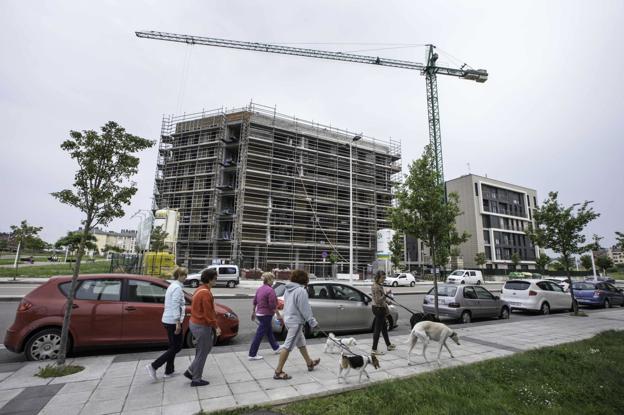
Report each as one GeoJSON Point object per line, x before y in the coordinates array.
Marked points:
{"type": "Point", "coordinates": [585, 377]}
{"type": "Point", "coordinates": [65, 268]}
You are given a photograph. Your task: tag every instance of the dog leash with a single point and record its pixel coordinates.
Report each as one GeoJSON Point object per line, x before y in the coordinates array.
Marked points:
{"type": "Point", "coordinates": [340, 344]}
{"type": "Point", "coordinates": [397, 303]}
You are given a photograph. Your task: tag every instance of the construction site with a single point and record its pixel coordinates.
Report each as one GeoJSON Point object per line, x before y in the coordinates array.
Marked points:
{"type": "Point", "coordinates": [268, 191]}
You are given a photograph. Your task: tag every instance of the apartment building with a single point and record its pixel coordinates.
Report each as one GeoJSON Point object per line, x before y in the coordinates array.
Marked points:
{"type": "Point", "coordinates": [125, 240]}
{"type": "Point", "coordinates": [497, 216]}
{"type": "Point", "coordinates": [264, 190]}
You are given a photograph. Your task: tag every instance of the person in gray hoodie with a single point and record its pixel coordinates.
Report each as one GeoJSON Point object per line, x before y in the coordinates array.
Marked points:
{"type": "Point", "coordinates": [296, 313]}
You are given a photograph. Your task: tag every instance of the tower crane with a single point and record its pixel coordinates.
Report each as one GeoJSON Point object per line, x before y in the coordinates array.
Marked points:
{"type": "Point", "coordinates": [430, 70]}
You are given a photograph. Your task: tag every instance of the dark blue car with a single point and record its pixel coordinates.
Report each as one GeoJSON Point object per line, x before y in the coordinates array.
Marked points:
{"type": "Point", "coordinates": [597, 294]}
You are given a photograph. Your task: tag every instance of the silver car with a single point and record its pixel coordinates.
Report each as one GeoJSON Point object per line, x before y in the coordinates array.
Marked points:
{"type": "Point", "coordinates": [465, 302]}
{"type": "Point", "coordinates": [338, 307]}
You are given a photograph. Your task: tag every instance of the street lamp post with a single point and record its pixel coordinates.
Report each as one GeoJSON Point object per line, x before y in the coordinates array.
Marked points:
{"type": "Point", "coordinates": [353, 140]}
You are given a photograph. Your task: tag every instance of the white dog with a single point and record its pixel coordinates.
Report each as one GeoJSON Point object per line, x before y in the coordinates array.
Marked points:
{"type": "Point", "coordinates": [332, 343]}
{"type": "Point", "coordinates": [429, 330]}
{"type": "Point", "coordinates": [357, 362]}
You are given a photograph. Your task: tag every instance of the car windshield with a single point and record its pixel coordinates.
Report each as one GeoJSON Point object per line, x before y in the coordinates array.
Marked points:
{"type": "Point", "coordinates": [445, 291]}
{"type": "Point", "coordinates": [517, 285]}
{"type": "Point", "coordinates": [583, 286]}
{"type": "Point", "coordinates": [395, 276]}
{"type": "Point", "coordinates": [460, 273]}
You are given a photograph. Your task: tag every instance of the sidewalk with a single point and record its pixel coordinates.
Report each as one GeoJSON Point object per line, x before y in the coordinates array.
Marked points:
{"type": "Point", "coordinates": [118, 385]}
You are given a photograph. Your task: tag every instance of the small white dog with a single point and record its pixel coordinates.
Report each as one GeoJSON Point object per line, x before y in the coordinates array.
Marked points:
{"type": "Point", "coordinates": [357, 362]}
{"type": "Point", "coordinates": [429, 330]}
{"type": "Point", "coordinates": [332, 343]}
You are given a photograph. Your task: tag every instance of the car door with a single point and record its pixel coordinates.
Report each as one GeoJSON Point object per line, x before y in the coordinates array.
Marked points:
{"type": "Point", "coordinates": [143, 306]}
{"type": "Point", "coordinates": [323, 306]}
{"type": "Point", "coordinates": [563, 299]}
{"type": "Point", "coordinates": [471, 301]}
{"type": "Point", "coordinates": [97, 312]}
{"type": "Point", "coordinates": [546, 293]}
{"type": "Point", "coordinates": [472, 278]}
{"type": "Point", "coordinates": [354, 312]}
{"type": "Point", "coordinates": [615, 297]}
{"type": "Point", "coordinates": [403, 280]}
{"type": "Point", "coordinates": [488, 305]}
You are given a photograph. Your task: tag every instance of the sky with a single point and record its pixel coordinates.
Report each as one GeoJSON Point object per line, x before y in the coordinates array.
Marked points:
{"type": "Point", "coordinates": [549, 117]}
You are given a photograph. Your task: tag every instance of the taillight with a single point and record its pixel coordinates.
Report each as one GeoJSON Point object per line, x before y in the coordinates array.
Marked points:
{"type": "Point", "coordinates": [532, 293]}
{"type": "Point", "coordinates": [24, 306]}
{"type": "Point", "coordinates": [454, 305]}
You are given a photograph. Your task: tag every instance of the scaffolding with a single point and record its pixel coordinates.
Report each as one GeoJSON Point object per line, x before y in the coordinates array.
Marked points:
{"type": "Point", "coordinates": [265, 190]}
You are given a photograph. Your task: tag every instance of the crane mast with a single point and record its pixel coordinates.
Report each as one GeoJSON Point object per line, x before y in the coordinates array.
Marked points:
{"type": "Point", "coordinates": [430, 70]}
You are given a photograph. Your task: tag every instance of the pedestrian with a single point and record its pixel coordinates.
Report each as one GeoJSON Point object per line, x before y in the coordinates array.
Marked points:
{"type": "Point", "coordinates": [265, 306]}
{"type": "Point", "coordinates": [381, 312]}
{"type": "Point", "coordinates": [172, 319]}
{"type": "Point", "coordinates": [203, 326]}
{"type": "Point", "coordinates": [297, 312]}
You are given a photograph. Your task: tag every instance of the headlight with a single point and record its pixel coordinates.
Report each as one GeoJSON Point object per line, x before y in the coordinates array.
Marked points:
{"type": "Point", "coordinates": [391, 307]}
{"type": "Point", "coordinates": [231, 315]}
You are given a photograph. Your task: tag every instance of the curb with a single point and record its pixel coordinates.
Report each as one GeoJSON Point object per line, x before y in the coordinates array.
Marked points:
{"type": "Point", "coordinates": [10, 298]}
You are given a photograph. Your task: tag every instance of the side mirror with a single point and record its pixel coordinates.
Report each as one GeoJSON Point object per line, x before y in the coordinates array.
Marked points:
{"type": "Point", "coordinates": [496, 297]}
{"type": "Point", "coordinates": [366, 300]}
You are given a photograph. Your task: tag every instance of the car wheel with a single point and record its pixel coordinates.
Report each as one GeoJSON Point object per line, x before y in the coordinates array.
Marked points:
{"type": "Point", "coordinates": [194, 283]}
{"type": "Point", "coordinates": [45, 345]}
{"type": "Point", "coordinates": [230, 284]}
{"type": "Point", "coordinates": [395, 284]}
{"type": "Point", "coordinates": [545, 309]}
{"type": "Point", "coordinates": [478, 282]}
{"type": "Point", "coordinates": [413, 283]}
{"type": "Point", "coordinates": [466, 317]}
{"type": "Point", "coordinates": [504, 315]}
{"type": "Point", "coordinates": [607, 303]}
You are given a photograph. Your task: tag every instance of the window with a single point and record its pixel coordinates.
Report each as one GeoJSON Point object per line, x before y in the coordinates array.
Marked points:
{"type": "Point", "coordinates": [483, 294]}
{"type": "Point", "coordinates": [469, 293]}
{"type": "Point", "coordinates": [473, 274]}
{"type": "Point", "coordinates": [145, 292]}
{"type": "Point", "coordinates": [544, 286]}
{"type": "Point", "coordinates": [555, 287]}
{"type": "Point", "coordinates": [517, 285]}
{"type": "Point", "coordinates": [227, 270]}
{"type": "Point", "coordinates": [343, 292]}
{"type": "Point", "coordinates": [445, 291]}
{"type": "Point", "coordinates": [320, 291]}
{"type": "Point", "coordinates": [476, 189]}
{"type": "Point", "coordinates": [95, 290]}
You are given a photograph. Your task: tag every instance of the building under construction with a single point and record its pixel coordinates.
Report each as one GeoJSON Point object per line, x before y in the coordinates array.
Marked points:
{"type": "Point", "coordinates": [264, 190]}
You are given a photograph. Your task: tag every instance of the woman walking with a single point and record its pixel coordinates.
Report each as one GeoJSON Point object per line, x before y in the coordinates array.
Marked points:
{"type": "Point", "coordinates": [265, 306]}
{"type": "Point", "coordinates": [297, 312]}
{"type": "Point", "coordinates": [203, 325]}
{"type": "Point", "coordinates": [172, 319]}
{"type": "Point", "coordinates": [381, 311]}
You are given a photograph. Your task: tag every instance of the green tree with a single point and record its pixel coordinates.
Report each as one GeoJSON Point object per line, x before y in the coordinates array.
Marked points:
{"type": "Point", "coordinates": [515, 260]}
{"type": "Point", "coordinates": [556, 266]}
{"type": "Point", "coordinates": [561, 228]}
{"type": "Point", "coordinates": [157, 239]}
{"type": "Point", "coordinates": [111, 248]}
{"type": "Point", "coordinates": [542, 262]}
{"type": "Point", "coordinates": [421, 211]}
{"type": "Point", "coordinates": [604, 262]}
{"type": "Point", "coordinates": [396, 249]}
{"type": "Point", "coordinates": [586, 262]}
{"type": "Point", "coordinates": [71, 241]}
{"type": "Point", "coordinates": [480, 259]}
{"type": "Point", "coordinates": [102, 188]}
{"type": "Point", "coordinates": [619, 238]}
{"type": "Point", "coordinates": [26, 237]}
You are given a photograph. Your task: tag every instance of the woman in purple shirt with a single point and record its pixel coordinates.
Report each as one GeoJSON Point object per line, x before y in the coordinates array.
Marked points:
{"type": "Point", "coordinates": [265, 306]}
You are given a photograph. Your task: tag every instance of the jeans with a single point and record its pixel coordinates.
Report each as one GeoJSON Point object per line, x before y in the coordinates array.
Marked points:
{"type": "Point", "coordinates": [175, 345]}
{"type": "Point", "coordinates": [380, 326]}
{"type": "Point", "coordinates": [204, 338]}
{"type": "Point", "coordinates": [264, 328]}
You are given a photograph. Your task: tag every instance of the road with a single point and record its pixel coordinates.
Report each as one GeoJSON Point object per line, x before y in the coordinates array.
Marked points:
{"type": "Point", "coordinates": [242, 307]}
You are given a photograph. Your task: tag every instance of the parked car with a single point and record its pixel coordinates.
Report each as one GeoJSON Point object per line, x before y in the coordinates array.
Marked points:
{"type": "Point", "coordinates": [228, 275]}
{"type": "Point", "coordinates": [403, 279]}
{"type": "Point", "coordinates": [108, 310]}
{"type": "Point", "coordinates": [561, 281]}
{"type": "Point", "coordinates": [601, 278]}
{"type": "Point", "coordinates": [598, 294]}
{"type": "Point", "coordinates": [535, 295]}
{"type": "Point", "coordinates": [338, 307]}
{"type": "Point", "coordinates": [465, 303]}
{"type": "Point", "coordinates": [464, 276]}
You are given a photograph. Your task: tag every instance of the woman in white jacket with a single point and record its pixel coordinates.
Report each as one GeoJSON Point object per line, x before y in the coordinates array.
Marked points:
{"type": "Point", "coordinates": [297, 312]}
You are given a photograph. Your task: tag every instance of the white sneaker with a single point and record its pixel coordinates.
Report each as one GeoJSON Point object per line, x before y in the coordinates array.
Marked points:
{"type": "Point", "coordinates": [278, 351]}
{"type": "Point", "coordinates": [151, 372]}
{"type": "Point", "coordinates": [254, 357]}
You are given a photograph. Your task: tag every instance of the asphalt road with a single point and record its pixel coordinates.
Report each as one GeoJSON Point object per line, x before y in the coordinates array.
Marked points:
{"type": "Point", "coordinates": [243, 308]}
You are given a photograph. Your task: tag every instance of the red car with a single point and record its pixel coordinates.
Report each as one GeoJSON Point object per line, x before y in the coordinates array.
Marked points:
{"type": "Point", "coordinates": [109, 310]}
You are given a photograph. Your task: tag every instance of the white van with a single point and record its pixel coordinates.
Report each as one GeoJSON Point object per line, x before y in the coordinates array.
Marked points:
{"type": "Point", "coordinates": [227, 275]}
{"type": "Point", "coordinates": [465, 276]}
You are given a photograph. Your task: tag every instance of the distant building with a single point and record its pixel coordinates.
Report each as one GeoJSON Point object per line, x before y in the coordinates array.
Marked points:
{"type": "Point", "coordinates": [125, 240]}
{"type": "Point", "coordinates": [617, 255]}
{"type": "Point", "coordinates": [497, 216]}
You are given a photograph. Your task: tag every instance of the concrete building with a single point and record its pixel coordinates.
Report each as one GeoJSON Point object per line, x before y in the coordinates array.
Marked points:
{"type": "Point", "coordinates": [265, 190]}
{"type": "Point", "coordinates": [126, 239]}
{"type": "Point", "coordinates": [617, 255]}
{"type": "Point", "coordinates": [496, 214]}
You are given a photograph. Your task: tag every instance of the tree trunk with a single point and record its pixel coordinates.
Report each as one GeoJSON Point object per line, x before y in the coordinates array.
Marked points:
{"type": "Point", "coordinates": [15, 264]}
{"type": "Point", "coordinates": [70, 297]}
{"type": "Point", "coordinates": [575, 308]}
{"type": "Point", "coordinates": [435, 280]}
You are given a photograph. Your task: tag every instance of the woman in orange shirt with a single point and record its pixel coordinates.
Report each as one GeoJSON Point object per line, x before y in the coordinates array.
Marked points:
{"type": "Point", "coordinates": [203, 325]}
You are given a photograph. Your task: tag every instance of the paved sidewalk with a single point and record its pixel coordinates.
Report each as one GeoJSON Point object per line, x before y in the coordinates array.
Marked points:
{"type": "Point", "coordinates": [118, 385]}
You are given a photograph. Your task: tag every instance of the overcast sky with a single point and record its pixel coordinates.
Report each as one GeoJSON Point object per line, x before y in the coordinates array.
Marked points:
{"type": "Point", "coordinates": [549, 117]}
